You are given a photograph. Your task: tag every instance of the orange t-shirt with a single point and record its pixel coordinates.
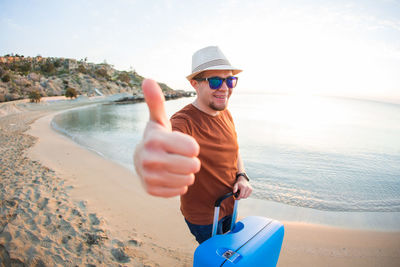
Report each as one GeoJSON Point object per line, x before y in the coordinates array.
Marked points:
{"type": "Point", "coordinates": [217, 138]}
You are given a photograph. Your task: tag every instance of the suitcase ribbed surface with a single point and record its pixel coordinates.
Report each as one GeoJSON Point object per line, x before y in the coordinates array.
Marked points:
{"type": "Point", "coordinates": [254, 241]}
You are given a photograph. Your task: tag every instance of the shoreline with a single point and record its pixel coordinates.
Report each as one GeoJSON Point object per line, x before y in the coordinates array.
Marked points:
{"type": "Point", "coordinates": [385, 221]}
{"type": "Point", "coordinates": [127, 213]}
{"type": "Point", "coordinates": [346, 220]}
{"type": "Point", "coordinates": [60, 207]}
{"type": "Point", "coordinates": [380, 221]}
{"type": "Point", "coordinates": [90, 173]}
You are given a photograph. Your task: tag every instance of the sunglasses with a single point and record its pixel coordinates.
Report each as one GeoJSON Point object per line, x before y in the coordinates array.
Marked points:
{"type": "Point", "coordinates": [216, 82]}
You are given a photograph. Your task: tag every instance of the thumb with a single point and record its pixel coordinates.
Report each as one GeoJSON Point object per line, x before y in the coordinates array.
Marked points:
{"type": "Point", "coordinates": [155, 101]}
{"type": "Point", "coordinates": [235, 188]}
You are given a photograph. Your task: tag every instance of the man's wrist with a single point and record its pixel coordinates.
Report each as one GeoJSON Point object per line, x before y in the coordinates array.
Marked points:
{"type": "Point", "coordinates": [242, 174]}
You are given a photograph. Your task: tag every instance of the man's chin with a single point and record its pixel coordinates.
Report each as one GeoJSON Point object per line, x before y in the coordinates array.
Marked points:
{"type": "Point", "coordinates": [218, 108]}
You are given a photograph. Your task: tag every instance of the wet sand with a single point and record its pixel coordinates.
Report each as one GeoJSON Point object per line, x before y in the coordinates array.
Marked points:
{"type": "Point", "coordinates": [64, 205]}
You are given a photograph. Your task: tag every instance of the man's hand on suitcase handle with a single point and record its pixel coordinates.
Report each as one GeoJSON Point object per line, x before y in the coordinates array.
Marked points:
{"type": "Point", "coordinates": [243, 187]}
{"type": "Point", "coordinates": [166, 161]}
{"type": "Point", "coordinates": [218, 202]}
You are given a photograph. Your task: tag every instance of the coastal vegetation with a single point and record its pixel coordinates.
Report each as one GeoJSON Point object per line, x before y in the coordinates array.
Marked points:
{"type": "Point", "coordinates": [34, 96]}
{"type": "Point", "coordinates": [23, 77]}
{"type": "Point", "coordinates": [71, 92]}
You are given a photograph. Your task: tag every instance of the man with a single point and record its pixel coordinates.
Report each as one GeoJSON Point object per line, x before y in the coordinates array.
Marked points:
{"type": "Point", "coordinates": [204, 135]}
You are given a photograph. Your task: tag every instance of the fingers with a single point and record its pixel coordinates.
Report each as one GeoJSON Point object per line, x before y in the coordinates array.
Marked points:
{"type": "Point", "coordinates": [169, 180]}
{"type": "Point", "coordinates": [155, 101]}
{"type": "Point", "coordinates": [165, 174]}
{"type": "Point", "coordinates": [245, 189]}
{"type": "Point", "coordinates": [168, 175]}
{"type": "Point", "coordinates": [174, 186]}
{"type": "Point", "coordinates": [235, 188]}
{"type": "Point", "coordinates": [164, 160]}
{"type": "Point", "coordinates": [172, 163]}
{"type": "Point", "coordinates": [171, 142]}
{"type": "Point", "coordinates": [166, 192]}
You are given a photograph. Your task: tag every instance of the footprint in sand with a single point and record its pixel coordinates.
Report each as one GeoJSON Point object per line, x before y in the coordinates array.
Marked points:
{"type": "Point", "coordinates": [33, 238]}
{"type": "Point", "coordinates": [94, 220]}
{"type": "Point", "coordinates": [5, 237]}
{"type": "Point", "coordinates": [43, 203]}
{"type": "Point", "coordinates": [119, 255]}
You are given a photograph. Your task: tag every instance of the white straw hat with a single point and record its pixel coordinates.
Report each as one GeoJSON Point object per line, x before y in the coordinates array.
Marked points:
{"type": "Point", "coordinates": [210, 58]}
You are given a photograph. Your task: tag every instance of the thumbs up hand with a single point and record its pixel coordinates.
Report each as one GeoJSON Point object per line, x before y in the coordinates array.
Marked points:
{"type": "Point", "coordinates": [164, 160]}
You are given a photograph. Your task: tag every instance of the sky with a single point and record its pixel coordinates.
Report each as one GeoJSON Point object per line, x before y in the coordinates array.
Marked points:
{"type": "Point", "coordinates": [345, 48]}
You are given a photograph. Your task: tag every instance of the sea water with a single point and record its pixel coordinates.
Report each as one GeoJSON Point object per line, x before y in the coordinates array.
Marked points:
{"type": "Point", "coordinates": [305, 155]}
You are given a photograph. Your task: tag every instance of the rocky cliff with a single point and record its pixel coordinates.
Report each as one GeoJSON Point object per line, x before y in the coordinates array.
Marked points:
{"type": "Point", "coordinates": [20, 75]}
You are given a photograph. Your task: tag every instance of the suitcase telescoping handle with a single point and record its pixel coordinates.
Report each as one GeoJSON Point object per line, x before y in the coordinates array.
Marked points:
{"type": "Point", "coordinates": [216, 211]}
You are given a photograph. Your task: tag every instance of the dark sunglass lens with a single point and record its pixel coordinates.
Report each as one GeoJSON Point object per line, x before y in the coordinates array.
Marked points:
{"type": "Point", "coordinates": [215, 82]}
{"type": "Point", "coordinates": [231, 82]}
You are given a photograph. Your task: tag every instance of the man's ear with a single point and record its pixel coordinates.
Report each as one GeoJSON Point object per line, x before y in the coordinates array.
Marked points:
{"type": "Point", "coordinates": [194, 84]}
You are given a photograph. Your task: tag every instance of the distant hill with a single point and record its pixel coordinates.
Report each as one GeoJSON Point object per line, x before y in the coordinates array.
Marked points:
{"type": "Point", "coordinates": [21, 75]}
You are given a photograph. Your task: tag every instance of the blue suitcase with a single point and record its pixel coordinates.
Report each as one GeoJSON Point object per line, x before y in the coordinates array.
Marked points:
{"type": "Point", "coordinates": [253, 241]}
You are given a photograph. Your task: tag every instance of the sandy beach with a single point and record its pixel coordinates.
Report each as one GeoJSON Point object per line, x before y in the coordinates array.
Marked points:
{"type": "Point", "coordinates": [63, 205]}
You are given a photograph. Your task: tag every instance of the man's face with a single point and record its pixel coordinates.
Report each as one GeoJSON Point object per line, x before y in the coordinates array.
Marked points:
{"type": "Point", "coordinates": [209, 100]}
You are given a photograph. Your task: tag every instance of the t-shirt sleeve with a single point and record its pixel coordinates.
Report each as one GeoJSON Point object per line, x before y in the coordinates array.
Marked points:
{"type": "Point", "coordinates": [180, 124]}
{"type": "Point", "coordinates": [229, 115]}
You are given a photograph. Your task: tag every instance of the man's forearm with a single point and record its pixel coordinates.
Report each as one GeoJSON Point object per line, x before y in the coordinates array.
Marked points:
{"type": "Point", "coordinates": [240, 165]}
{"type": "Point", "coordinates": [242, 182]}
